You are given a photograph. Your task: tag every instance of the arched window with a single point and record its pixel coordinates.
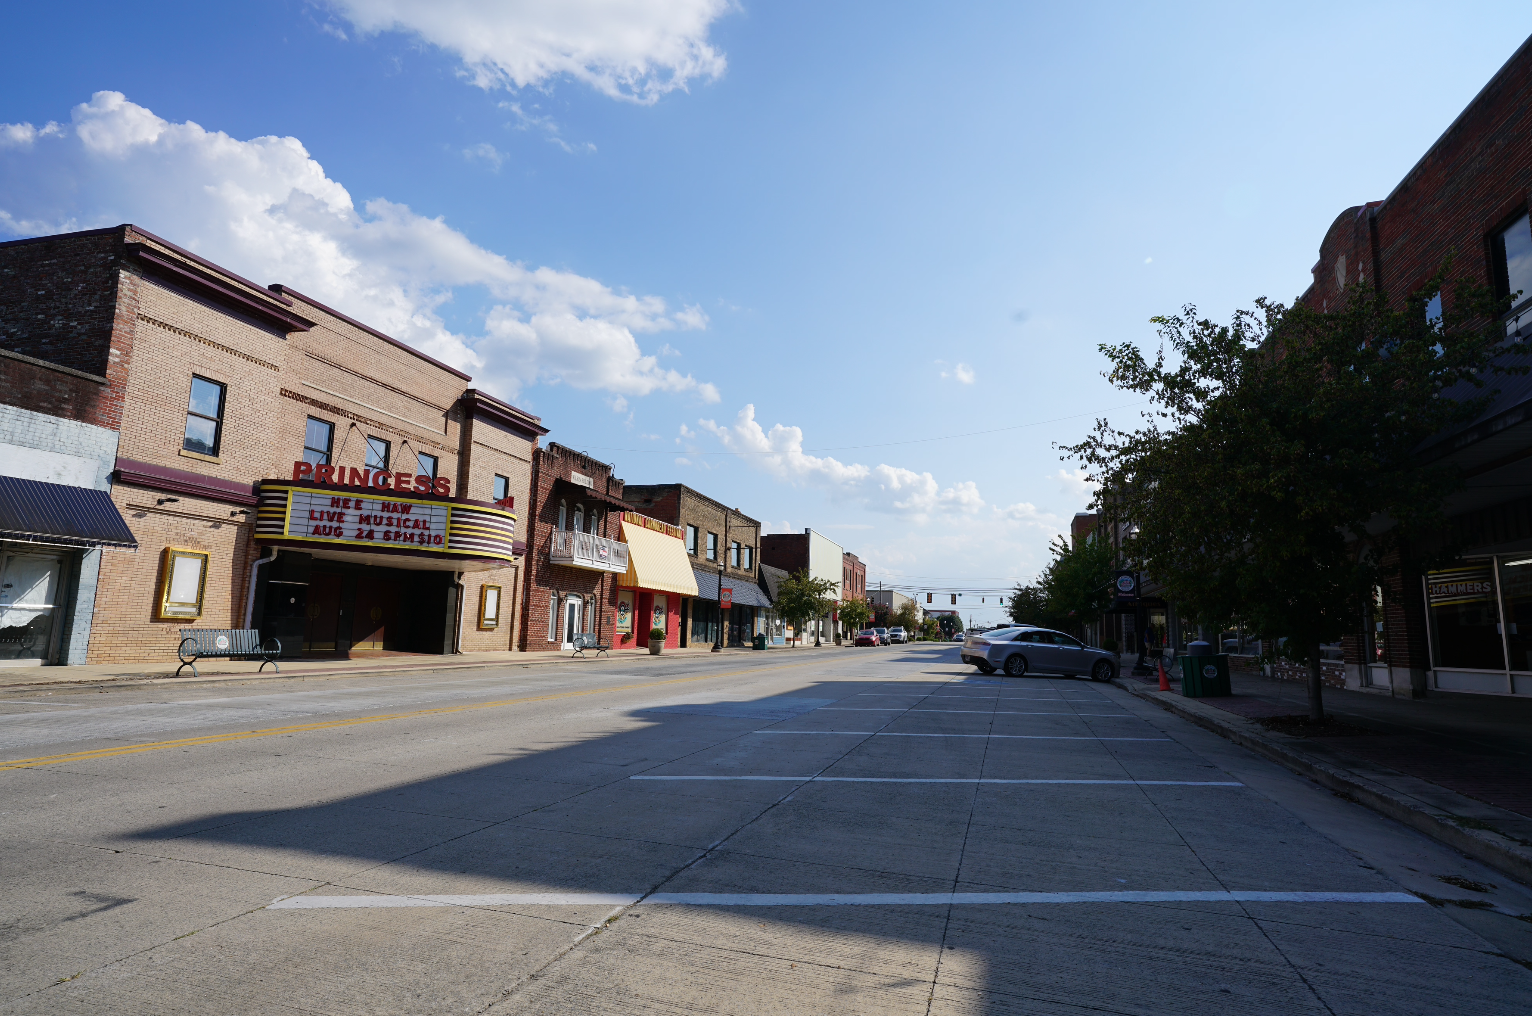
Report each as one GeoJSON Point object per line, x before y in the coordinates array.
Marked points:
{"type": "Point", "coordinates": [593, 523]}
{"type": "Point", "coordinates": [563, 515]}
{"type": "Point", "coordinates": [579, 519]}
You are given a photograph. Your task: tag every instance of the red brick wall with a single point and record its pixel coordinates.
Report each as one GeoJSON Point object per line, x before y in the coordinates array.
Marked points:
{"type": "Point", "coordinates": [788, 551]}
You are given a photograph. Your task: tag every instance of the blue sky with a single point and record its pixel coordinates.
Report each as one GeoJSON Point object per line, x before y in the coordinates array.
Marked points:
{"type": "Point", "coordinates": [881, 225]}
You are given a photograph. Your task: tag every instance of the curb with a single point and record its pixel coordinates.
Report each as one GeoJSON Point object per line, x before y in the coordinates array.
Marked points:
{"type": "Point", "coordinates": [1501, 852]}
{"type": "Point", "coordinates": [65, 683]}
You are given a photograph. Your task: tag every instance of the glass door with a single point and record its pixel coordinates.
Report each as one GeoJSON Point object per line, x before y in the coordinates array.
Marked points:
{"type": "Point", "coordinates": [29, 608]}
{"type": "Point", "coordinates": [572, 611]}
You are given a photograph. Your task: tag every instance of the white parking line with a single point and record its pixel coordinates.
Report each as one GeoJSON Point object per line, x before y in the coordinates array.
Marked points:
{"type": "Point", "coordinates": [1021, 737]}
{"type": "Point", "coordinates": [944, 779]}
{"type": "Point", "coordinates": [828, 899]}
{"type": "Point", "coordinates": [984, 712]}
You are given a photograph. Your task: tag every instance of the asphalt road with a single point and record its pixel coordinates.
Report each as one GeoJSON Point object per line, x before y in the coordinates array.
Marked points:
{"type": "Point", "coordinates": [840, 831]}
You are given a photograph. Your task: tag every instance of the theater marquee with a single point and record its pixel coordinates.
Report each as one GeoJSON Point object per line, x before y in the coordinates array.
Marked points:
{"type": "Point", "coordinates": [373, 519]}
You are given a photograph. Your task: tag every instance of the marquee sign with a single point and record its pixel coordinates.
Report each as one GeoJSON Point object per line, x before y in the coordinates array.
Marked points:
{"type": "Point", "coordinates": [362, 519]}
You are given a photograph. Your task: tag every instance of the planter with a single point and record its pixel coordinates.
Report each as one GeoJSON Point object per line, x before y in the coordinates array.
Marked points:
{"type": "Point", "coordinates": [655, 647]}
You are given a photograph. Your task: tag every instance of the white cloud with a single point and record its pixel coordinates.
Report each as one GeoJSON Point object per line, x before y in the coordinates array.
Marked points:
{"type": "Point", "coordinates": [265, 209]}
{"type": "Point", "coordinates": [1077, 484]}
{"type": "Point", "coordinates": [883, 488]}
{"type": "Point", "coordinates": [617, 404]}
{"type": "Point", "coordinates": [547, 125]}
{"type": "Point", "coordinates": [962, 372]}
{"type": "Point", "coordinates": [21, 135]}
{"type": "Point", "coordinates": [636, 50]}
{"type": "Point", "coordinates": [486, 151]}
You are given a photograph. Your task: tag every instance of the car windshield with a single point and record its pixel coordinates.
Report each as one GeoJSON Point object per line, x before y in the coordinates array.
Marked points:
{"type": "Point", "coordinates": [881, 631]}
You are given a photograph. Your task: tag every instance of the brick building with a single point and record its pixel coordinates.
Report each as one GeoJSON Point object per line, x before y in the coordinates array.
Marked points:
{"type": "Point", "coordinates": [1459, 629]}
{"type": "Point", "coordinates": [597, 566]}
{"type": "Point", "coordinates": [279, 465]}
{"type": "Point", "coordinates": [820, 557]}
{"type": "Point", "coordinates": [722, 545]}
{"type": "Point", "coordinates": [853, 583]}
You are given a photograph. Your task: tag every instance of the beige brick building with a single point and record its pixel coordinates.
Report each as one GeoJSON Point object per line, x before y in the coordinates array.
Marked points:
{"type": "Point", "coordinates": [280, 465]}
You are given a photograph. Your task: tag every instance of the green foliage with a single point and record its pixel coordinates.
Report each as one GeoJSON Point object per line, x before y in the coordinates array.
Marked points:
{"type": "Point", "coordinates": [1074, 590]}
{"type": "Point", "coordinates": [854, 613]}
{"type": "Point", "coordinates": [800, 597]}
{"type": "Point", "coordinates": [906, 617]}
{"type": "Point", "coordinates": [657, 633]}
{"type": "Point", "coordinates": [1279, 465]}
{"type": "Point", "coordinates": [949, 624]}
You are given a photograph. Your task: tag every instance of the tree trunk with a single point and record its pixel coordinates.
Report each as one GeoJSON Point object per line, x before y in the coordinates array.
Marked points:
{"type": "Point", "coordinates": [1316, 685]}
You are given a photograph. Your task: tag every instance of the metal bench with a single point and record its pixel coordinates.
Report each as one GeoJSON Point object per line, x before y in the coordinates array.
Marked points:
{"type": "Point", "coordinates": [233, 643]}
{"type": "Point", "coordinates": [587, 640]}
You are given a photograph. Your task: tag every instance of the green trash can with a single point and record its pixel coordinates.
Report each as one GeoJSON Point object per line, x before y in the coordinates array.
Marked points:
{"type": "Point", "coordinates": [759, 642]}
{"type": "Point", "coordinates": [1205, 676]}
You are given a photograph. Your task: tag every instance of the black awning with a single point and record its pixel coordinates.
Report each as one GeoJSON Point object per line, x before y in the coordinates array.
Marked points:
{"type": "Point", "coordinates": [39, 512]}
{"type": "Point", "coordinates": [746, 593]}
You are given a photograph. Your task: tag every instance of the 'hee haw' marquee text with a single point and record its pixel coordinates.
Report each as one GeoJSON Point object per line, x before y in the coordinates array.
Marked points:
{"type": "Point", "coordinates": [367, 520]}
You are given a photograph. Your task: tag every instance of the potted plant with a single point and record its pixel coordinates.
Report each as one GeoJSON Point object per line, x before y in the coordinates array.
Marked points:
{"type": "Point", "coordinates": [656, 641]}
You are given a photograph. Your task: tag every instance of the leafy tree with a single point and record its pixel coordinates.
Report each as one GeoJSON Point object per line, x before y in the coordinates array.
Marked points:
{"type": "Point", "coordinates": [906, 617]}
{"type": "Point", "coordinates": [854, 613]}
{"type": "Point", "coordinates": [1074, 590]}
{"type": "Point", "coordinates": [1278, 467]}
{"type": "Point", "coordinates": [949, 624]}
{"type": "Point", "coordinates": [1028, 604]}
{"type": "Point", "coordinates": [801, 597]}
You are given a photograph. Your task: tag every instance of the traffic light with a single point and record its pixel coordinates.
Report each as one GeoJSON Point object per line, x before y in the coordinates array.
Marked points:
{"type": "Point", "coordinates": [928, 597]}
{"type": "Point", "coordinates": [954, 599]}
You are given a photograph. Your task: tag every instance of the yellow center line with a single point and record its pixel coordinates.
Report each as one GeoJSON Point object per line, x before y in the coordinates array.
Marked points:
{"type": "Point", "coordinates": [298, 728]}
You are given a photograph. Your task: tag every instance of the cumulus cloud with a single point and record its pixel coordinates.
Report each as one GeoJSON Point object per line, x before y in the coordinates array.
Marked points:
{"type": "Point", "coordinates": [486, 151]}
{"type": "Point", "coordinates": [1077, 484]}
{"type": "Point", "coordinates": [960, 371]}
{"type": "Point", "coordinates": [637, 50]}
{"type": "Point", "coordinates": [885, 488]}
{"type": "Point", "coordinates": [265, 209]}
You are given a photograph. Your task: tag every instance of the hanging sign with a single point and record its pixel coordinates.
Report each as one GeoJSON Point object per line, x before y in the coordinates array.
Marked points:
{"type": "Point", "coordinates": [725, 597]}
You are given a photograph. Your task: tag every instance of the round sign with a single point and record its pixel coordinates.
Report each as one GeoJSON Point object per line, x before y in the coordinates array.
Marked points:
{"type": "Point", "coordinates": [222, 642]}
{"type": "Point", "coordinates": [1210, 671]}
{"type": "Point", "coordinates": [1125, 583]}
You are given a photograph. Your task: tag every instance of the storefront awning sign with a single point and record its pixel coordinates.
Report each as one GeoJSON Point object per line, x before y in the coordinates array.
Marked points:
{"type": "Point", "coordinates": [656, 560]}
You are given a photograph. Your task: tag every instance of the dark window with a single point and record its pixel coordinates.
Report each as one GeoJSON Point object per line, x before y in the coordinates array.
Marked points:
{"type": "Point", "coordinates": [748, 555]}
{"type": "Point", "coordinates": [425, 464]}
{"type": "Point", "coordinates": [712, 546]}
{"type": "Point", "coordinates": [502, 487]}
{"type": "Point", "coordinates": [691, 540]}
{"type": "Point", "coordinates": [317, 435]}
{"type": "Point", "coordinates": [204, 417]}
{"type": "Point", "coordinates": [734, 554]}
{"type": "Point", "coordinates": [377, 453]}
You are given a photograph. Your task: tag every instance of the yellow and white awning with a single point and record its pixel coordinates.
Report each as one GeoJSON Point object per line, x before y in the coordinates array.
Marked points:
{"type": "Point", "coordinates": [656, 561]}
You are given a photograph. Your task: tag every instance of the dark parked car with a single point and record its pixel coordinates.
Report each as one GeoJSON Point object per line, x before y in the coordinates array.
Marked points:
{"type": "Point", "coordinates": [1028, 650]}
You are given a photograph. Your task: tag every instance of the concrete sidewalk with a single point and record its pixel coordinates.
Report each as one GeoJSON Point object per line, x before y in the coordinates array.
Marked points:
{"type": "Point", "coordinates": [13, 679]}
{"type": "Point", "coordinates": [1457, 767]}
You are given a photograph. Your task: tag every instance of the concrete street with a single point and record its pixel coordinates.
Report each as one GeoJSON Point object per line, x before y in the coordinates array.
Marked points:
{"type": "Point", "coordinates": [831, 831]}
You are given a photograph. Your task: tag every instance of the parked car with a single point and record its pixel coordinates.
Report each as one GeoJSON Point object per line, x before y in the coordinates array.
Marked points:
{"type": "Point", "coordinates": [958, 636]}
{"type": "Point", "coordinates": [897, 635]}
{"type": "Point", "coordinates": [882, 636]}
{"type": "Point", "coordinates": [1029, 650]}
{"type": "Point", "coordinates": [867, 637]}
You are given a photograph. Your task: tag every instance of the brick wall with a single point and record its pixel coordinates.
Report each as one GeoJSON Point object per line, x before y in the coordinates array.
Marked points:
{"type": "Point", "coordinates": [788, 551]}
{"type": "Point", "coordinates": [680, 505]}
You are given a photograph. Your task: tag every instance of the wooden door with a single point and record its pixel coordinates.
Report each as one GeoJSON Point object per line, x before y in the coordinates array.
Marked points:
{"type": "Point", "coordinates": [376, 621]}
{"type": "Point", "coordinates": [323, 612]}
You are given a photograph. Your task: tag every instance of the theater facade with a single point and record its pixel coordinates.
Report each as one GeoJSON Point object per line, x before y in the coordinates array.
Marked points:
{"type": "Point", "coordinates": [277, 464]}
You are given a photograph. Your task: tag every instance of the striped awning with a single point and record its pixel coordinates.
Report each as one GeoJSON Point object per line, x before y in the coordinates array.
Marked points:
{"type": "Point", "coordinates": [656, 561]}
{"type": "Point", "coordinates": [36, 512]}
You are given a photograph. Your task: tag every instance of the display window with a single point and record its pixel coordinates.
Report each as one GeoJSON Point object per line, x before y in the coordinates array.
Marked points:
{"type": "Point", "coordinates": [183, 583]}
{"type": "Point", "coordinates": [1464, 615]}
{"type": "Point", "coordinates": [489, 607]}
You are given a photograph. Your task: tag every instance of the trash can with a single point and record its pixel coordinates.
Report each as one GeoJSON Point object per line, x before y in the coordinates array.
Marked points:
{"type": "Point", "coordinates": [1205, 676]}
{"type": "Point", "coordinates": [759, 642]}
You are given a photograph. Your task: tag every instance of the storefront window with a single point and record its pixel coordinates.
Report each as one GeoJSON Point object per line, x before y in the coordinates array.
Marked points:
{"type": "Point", "coordinates": [1516, 599]}
{"type": "Point", "coordinates": [1377, 633]}
{"type": "Point", "coordinates": [1465, 628]}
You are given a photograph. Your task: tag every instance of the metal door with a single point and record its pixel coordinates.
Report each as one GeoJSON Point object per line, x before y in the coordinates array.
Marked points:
{"type": "Point", "coordinates": [29, 607]}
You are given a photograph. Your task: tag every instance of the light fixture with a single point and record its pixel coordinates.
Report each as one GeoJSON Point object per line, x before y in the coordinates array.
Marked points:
{"type": "Point", "coordinates": [167, 500]}
{"type": "Point", "coordinates": [1513, 564]}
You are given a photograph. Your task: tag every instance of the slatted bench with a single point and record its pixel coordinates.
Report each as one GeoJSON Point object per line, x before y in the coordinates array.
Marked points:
{"type": "Point", "coordinates": [232, 643]}
{"type": "Point", "coordinates": [587, 640]}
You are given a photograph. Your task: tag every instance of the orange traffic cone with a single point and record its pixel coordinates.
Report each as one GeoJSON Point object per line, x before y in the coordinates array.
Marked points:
{"type": "Point", "coordinates": [1164, 677]}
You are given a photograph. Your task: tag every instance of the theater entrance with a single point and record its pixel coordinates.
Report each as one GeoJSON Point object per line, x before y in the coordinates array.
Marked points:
{"type": "Point", "coordinates": [346, 608]}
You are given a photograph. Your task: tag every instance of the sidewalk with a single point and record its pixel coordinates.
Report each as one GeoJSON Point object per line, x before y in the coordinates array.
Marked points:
{"type": "Point", "coordinates": [13, 679]}
{"type": "Point", "coordinates": [1457, 767]}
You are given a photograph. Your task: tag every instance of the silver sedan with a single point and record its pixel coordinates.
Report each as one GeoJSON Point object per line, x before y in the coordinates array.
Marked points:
{"type": "Point", "coordinates": [1028, 650]}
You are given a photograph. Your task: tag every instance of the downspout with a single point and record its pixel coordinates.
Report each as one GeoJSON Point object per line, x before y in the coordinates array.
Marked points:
{"type": "Point", "coordinates": [255, 574]}
{"type": "Point", "coordinates": [457, 627]}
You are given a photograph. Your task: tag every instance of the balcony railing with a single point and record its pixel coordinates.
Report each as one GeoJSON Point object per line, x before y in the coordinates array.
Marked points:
{"type": "Point", "coordinates": [583, 550]}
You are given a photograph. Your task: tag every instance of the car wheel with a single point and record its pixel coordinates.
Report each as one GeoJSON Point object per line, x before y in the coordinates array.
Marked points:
{"type": "Point", "coordinates": [1102, 671]}
{"type": "Point", "coordinates": [1015, 665]}
{"type": "Point", "coordinates": [985, 668]}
